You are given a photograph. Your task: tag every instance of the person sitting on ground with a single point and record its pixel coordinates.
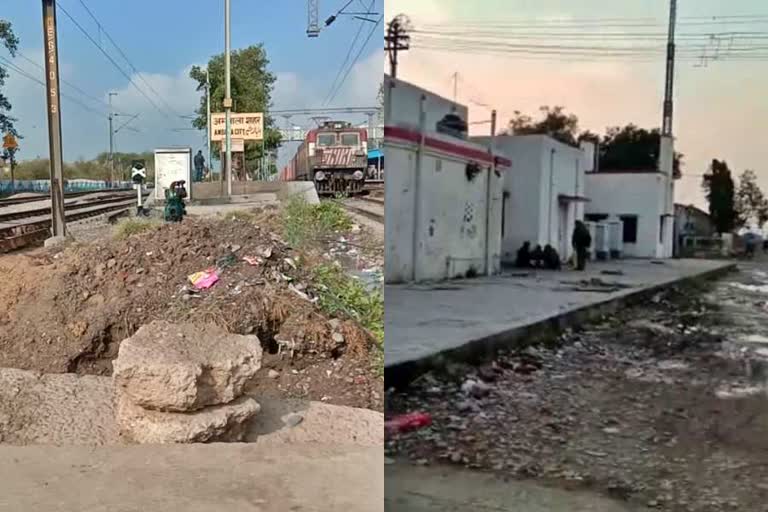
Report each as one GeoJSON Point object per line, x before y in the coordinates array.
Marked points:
{"type": "Point", "coordinates": [537, 257]}
{"type": "Point", "coordinates": [524, 256]}
{"type": "Point", "coordinates": [551, 258]}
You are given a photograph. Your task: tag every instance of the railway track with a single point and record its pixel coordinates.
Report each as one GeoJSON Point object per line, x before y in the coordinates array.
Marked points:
{"type": "Point", "coordinates": [375, 213]}
{"type": "Point", "coordinates": [13, 201]}
{"type": "Point", "coordinates": [27, 227]}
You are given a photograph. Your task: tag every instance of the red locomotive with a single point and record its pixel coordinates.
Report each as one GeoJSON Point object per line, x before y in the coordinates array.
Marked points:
{"type": "Point", "coordinates": [334, 156]}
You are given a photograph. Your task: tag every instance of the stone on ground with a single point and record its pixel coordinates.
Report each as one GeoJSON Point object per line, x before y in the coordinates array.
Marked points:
{"type": "Point", "coordinates": [219, 423]}
{"type": "Point", "coordinates": [184, 367]}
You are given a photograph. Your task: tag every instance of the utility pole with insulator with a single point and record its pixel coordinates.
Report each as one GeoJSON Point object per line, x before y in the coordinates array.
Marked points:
{"type": "Point", "coordinates": [111, 140]}
{"type": "Point", "coordinates": [51, 48]}
{"type": "Point", "coordinates": [208, 119]}
{"type": "Point", "coordinates": [666, 125]}
{"type": "Point", "coordinates": [666, 164]}
{"type": "Point", "coordinates": [313, 22]}
{"type": "Point", "coordinates": [397, 40]}
{"type": "Point", "coordinates": [228, 96]}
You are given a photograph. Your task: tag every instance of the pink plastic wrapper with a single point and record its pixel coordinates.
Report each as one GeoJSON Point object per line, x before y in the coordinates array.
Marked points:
{"type": "Point", "coordinates": [205, 279]}
{"type": "Point", "coordinates": [408, 422]}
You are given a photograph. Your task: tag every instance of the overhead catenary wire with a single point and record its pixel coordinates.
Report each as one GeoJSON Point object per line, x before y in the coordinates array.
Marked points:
{"type": "Point", "coordinates": [127, 60]}
{"type": "Point", "coordinates": [625, 22]}
{"type": "Point", "coordinates": [33, 78]}
{"type": "Point", "coordinates": [708, 38]}
{"type": "Point", "coordinates": [70, 84]}
{"type": "Point", "coordinates": [357, 57]}
{"type": "Point", "coordinates": [111, 60]}
{"type": "Point", "coordinates": [346, 59]}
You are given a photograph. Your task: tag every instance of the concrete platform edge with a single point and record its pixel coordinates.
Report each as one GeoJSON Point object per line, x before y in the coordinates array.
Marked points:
{"type": "Point", "coordinates": [483, 349]}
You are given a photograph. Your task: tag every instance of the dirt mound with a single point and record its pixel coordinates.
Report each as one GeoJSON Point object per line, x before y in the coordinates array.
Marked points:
{"type": "Point", "coordinates": [68, 311]}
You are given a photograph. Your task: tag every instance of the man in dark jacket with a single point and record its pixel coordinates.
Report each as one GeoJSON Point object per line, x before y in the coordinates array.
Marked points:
{"type": "Point", "coordinates": [581, 242]}
{"type": "Point", "coordinates": [199, 166]}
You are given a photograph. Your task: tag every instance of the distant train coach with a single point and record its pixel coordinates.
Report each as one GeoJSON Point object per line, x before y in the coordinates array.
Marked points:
{"type": "Point", "coordinates": [334, 156]}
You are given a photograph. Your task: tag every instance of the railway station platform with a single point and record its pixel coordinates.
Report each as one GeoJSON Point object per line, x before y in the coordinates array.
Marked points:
{"type": "Point", "coordinates": [252, 191]}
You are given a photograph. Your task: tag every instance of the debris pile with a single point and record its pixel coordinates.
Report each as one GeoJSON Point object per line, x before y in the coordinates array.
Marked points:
{"type": "Point", "coordinates": [68, 310]}
{"type": "Point", "coordinates": [629, 405]}
{"type": "Point", "coordinates": [184, 383]}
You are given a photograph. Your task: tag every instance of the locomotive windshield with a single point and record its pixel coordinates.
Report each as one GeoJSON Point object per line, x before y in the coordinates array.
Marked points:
{"type": "Point", "coordinates": [350, 139]}
{"type": "Point", "coordinates": [326, 139]}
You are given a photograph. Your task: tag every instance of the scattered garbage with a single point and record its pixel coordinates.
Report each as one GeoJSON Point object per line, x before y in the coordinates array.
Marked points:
{"type": "Point", "coordinates": [408, 422]}
{"type": "Point", "coordinates": [226, 261]}
{"type": "Point", "coordinates": [254, 261]}
{"type": "Point", "coordinates": [205, 279]}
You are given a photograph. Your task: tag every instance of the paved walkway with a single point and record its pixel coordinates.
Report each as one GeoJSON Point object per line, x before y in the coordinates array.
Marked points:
{"type": "Point", "coordinates": [422, 321]}
{"type": "Point", "coordinates": [191, 478]}
{"type": "Point", "coordinates": [430, 489]}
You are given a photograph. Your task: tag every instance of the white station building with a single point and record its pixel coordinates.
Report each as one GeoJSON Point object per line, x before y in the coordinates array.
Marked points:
{"type": "Point", "coordinates": [643, 202]}
{"type": "Point", "coordinates": [443, 193]}
{"type": "Point", "coordinates": [545, 194]}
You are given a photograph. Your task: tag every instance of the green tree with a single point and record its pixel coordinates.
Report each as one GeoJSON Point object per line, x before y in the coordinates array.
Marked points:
{"type": "Point", "coordinates": [252, 84]}
{"type": "Point", "coordinates": [751, 203]}
{"type": "Point", "coordinates": [720, 190]}
{"type": "Point", "coordinates": [11, 43]}
{"type": "Point", "coordinates": [554, 122]}
{"type": "Point", "coordinates": [633, 148]}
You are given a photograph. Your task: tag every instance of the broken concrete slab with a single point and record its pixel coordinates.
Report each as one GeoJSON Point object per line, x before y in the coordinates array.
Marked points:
{"type": "Point", "coordinates": [218, 423]}
{"type": "Point", "coordinates": [444, 488]}
{"type": "Point", "coordinates": [55, 408]}
{"type": "Point", "coordinates": [192, 478]}
{"type": "Point", "coordinates": [321, 423]}
{"type": "Point", "coordinates": [184, 367]}
{"type": "Point", "coordinates": [67, 409]}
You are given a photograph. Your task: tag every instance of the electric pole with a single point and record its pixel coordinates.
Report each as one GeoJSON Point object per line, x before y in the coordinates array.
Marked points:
{"type": "Point", "coordinates": [58, 221]}
{"type": "Point", "coordinates": [313, 25]}
{"type": "Point", "coordinates": [396, 40]}
{"type": "Point", "coordinates": [666, 126]}
{"type": "Point", "coordinates": [666, 141]}
{"type": "Point", "coordinates": [208, 119]}
{"type": "Point", "coordinates": [111, 140]}
{"type": "Point", "coordinates": [455, 86]}
{"type": "Point", "coordinates": [228, 96]}
{"type": "Point", "coordinates": [372, 143]}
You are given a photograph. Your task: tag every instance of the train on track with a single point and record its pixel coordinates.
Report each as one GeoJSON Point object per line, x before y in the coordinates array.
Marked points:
{"type": "Point", "coordinates": [334, 156]}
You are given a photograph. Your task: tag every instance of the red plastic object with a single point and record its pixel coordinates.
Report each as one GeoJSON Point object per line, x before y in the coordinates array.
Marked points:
{"type": "Point", "coordinates": [408, 422]}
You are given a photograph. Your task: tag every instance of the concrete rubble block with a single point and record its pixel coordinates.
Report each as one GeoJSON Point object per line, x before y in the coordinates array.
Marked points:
{"type": "Point", "coordinates": [184, 367]}
{"type": "Point", "coordinates": [219, 423]}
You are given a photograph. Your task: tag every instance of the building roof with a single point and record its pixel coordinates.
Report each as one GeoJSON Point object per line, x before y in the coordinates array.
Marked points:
{"type": "Point", "coordinates": [445, 144]}
{"type": "Point", "coordinates": [691, 207]}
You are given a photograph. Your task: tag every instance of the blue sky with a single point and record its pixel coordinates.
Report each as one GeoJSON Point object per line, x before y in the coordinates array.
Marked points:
{"type": "Point", "coordinates": [163, 38]}
{"type": "Point", "coordinates": [721, 110]}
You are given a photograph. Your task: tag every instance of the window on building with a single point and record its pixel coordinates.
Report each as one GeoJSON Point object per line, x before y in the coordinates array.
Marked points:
{"type": "Point", "coordinates": [630, 228]}
{"type": "Point", "coordinates": [326, 139]}
{"type": "Point", "coordinates": [595, 217]}
{"type": "Point", "coordinates": [350, 139]}
{"type": "Point", "coordinates": [661, 229]}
